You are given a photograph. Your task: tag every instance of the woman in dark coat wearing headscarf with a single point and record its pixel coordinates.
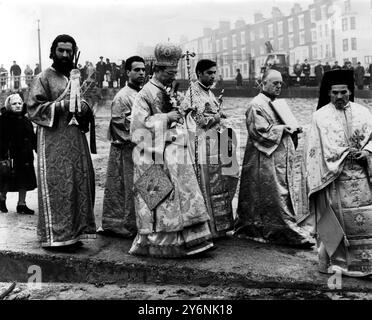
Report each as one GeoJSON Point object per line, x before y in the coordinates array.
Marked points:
{"type": "Point", "coordinates": [17, 142]}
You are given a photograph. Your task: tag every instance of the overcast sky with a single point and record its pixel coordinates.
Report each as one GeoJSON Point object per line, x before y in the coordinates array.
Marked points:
{"type": "Point", "coordinates": [113, 28]}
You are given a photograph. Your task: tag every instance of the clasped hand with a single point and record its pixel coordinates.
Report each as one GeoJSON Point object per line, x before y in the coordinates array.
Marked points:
{"type": "Point", "coordinates": [358, 154]}
{"type": "Point", "coordinates": [174, 116]}
{"type": "Point", "coordinates": [291, 130]}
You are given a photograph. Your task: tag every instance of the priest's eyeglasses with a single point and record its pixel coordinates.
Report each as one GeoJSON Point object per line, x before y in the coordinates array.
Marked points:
{"type": "Point", "coordinates": [276, 83]}
{"type": "Point", "coordinates": [170, 73]}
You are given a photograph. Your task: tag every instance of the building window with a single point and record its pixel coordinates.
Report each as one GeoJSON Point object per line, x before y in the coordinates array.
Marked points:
{"type": "Point", "coordinates": [252, 35]}
{"type": "Point", "coordinates": [290, 24]}
{"type": "Point", "coordinates": [344, 24]}
{"type": "Point", "coordinates": [352, 23]}
{"type": "Point", "coordinates": [270, 30]}
{"type": "Point", "coordinates": [321, 51]}
{"type": "Point", "coordinates": [280, 28]}
{"type": "Point", "coordinates": [262, 49]}
{"type": "Point", "coordinates": [315, 52]}
{"type": "Point", "coordinates": [354, 60]}
{"type": "Point", "coordinates": [291, 41]}
{"type": "Point", "coordinates": [234, 40]}
{"type": "Point", "coordinates": [302, 37]}
{"type": "Point", "coordinates": [234, 56]}
{"type": "Point", "coordinates": [243, 54]}
{"type": "Point", "coordinates": [261, 32]}
{"type": "Point", "coordinates": [224, 43]}
{"type": "Point", "coordinates": [328, 52]}
{"type": "Point", "coordinates": [225, 61]}
{"type": "Point", "coordinates": [353, 43]}
{"type": "Point", "coordinates": [252, 52]}
{"type": "Point", "coordinates": [324, 10]}
{"type": "Point", "coordinates": [312, 15]}
{"type": "Point", "coordinates": [301, 22]}
{"type": "Point", "coordinates": [345, 45]}
{"type": "Point", "coordinates": [280, 44]}
{"type": "Point", "coordinates": [218, 47]}
{"type": "Point", "coordinates": [347, 5]}
{"type": "Point", "coordinates": [326, 29]}
{"type": "Point", "coordinates": [320, 31]}
{"type": "Point", "coordinates": [313, 35]}
{"type": "Point", "coordinates": [242, 38]}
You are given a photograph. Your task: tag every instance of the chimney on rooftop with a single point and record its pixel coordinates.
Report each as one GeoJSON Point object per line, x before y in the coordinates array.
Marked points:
{"type": "Point", "coordinates": [240, 23]}
{"type": "Point", "coordinates": [296, 8]}
{"type": "Point", "coordinates": [224, 26]}
{"type": "Point", "coordinates": [207, 32]}
{"type": "Point", "coordinates": [258, 16]}
{"type": "Point", "coordinates": [276, 13]}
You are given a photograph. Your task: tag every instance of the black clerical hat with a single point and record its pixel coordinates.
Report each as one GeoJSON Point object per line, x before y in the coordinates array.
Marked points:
{"type": "Point", "coordinates": [333, 77]}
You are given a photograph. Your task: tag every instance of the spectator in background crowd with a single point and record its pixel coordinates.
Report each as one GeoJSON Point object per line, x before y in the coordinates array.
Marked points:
{"type": "Point", "coordinates": [101, 71]}
{"type": "Point", "coordinates": [3, 77]}
{"type": "Point", "coordinates": [347, 66]}
{"type": "Point", "coordinates": [306, 68]}
{"type": "Point", "coordinates": [15, 71]}
{"type": "Point", "coordinates": [319, 71]}
{"type": "Point", "coordinates": [297, 70]}
{"type": "Point", "coordinates": [37, 69]}
{"type": "Point", "coordinates": [108, 72]}
{"type": "Point", "coordinates": [370, 75]}
{"type": "Point", "coordinates": [122, 74]}
{"type": "Point", "coordinates": [29, 75]}
{"type": "Point", "coordinates": [336, 66]}
{"type": "Point", "coordinates": [327, 67]}
{"type": "Point", "coordinates": [114, 74]}
{"type": "Point", "coordinates": [359, 76]}
{"type": "Point", "coordinates": [239, 78]}
{"type": "Point", "coordinates": [90, 72]}
{"type": "Point", "coordinates": [219, 83]}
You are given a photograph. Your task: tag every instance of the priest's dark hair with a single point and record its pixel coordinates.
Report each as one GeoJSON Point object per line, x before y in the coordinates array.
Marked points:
{"type": "Point", "coordinates": [130, 60]}
{"type": "Point", "coordinates": [62, 38]}
{"type": "Point", "coordinates": [204, 64]}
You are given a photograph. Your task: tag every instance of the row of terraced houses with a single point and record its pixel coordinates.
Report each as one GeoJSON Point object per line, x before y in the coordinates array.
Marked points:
{"type": "Point", "coordinates": [327, 30]}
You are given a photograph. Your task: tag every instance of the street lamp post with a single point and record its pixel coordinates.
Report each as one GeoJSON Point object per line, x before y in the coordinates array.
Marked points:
{"type": "Point", "coordinates": [38, 36]}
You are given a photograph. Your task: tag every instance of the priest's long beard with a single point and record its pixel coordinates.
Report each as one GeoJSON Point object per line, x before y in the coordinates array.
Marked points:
{"type": "Point", "coordinates": [63, 66]}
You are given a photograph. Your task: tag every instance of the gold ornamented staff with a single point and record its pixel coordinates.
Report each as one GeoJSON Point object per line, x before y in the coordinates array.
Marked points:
{"type": "Point", "coordinates": [187, 55]}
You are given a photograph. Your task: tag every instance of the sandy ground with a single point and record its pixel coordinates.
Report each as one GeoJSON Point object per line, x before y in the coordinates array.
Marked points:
{"type": "Point", "coordinates": [235, 109]}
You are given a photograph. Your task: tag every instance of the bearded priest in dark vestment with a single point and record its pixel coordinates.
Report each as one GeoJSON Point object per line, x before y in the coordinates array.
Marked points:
{"type": "Point", "coordinates": [66, 187]}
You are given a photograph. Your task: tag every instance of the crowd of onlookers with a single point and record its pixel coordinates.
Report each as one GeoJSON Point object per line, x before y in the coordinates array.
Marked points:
{"type": "Point", "coordinates": [304, 70]}
{"type": "Point", "coordinates": [14, 76]}
{"type": "Point", "coordinates": [102, 74]}
{"type": "Point", "coordinates": [107, 74]}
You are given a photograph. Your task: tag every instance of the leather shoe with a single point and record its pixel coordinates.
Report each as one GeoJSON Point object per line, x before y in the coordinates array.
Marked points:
{"type": "Point", "coordinates": [3, 207]}
{"type": "Point", "coordinates": [22, 209]}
